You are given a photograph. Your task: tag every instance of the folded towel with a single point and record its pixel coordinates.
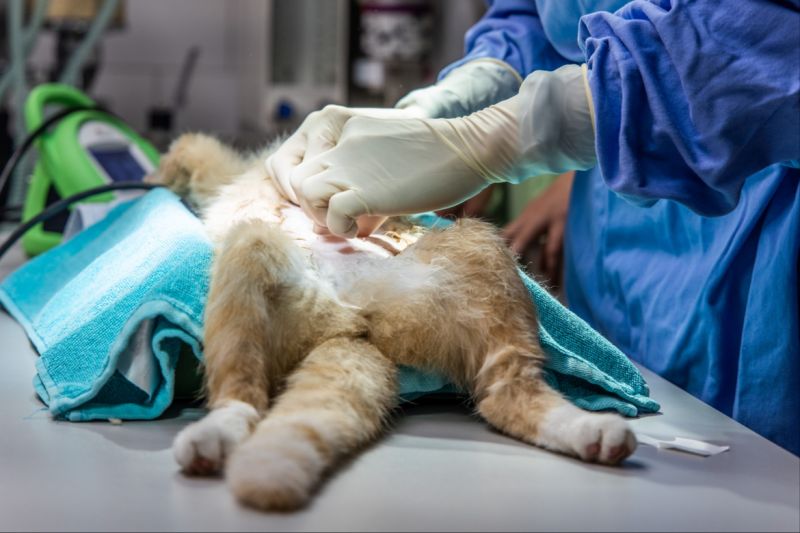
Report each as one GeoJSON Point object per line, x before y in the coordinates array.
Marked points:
{"type": "Point", "coordinates": [115, 312]}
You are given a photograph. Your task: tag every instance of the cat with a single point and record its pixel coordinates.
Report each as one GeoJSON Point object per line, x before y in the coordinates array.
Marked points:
{"type": "Point", "coordinates": [303, 333]}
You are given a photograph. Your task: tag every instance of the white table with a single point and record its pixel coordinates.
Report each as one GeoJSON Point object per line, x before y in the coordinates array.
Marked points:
{"type": "Point", "coordinates": [439, 469]}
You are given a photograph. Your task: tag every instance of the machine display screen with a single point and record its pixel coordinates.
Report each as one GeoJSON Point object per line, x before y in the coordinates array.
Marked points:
{"type": "Point", "coordinates": [118, 163]}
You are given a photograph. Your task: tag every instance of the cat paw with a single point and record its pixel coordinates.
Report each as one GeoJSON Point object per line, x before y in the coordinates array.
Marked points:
{"type": "Point", "coordinates": [202, 447]}
{"type": "Point", "coordinates": [277, 472]}
{"type": "Point", "coordinates": [176, 167]}
{"type": "Point", "coordinates": [605, 439]}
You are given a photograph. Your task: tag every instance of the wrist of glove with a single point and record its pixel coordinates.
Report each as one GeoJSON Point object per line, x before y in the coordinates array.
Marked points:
{"type": "Point", "coordinates": [557, 122]}
{"type": "Point", "coordinates": [548, 128]}
{"type": "Point", "coordinates": [466, 89]}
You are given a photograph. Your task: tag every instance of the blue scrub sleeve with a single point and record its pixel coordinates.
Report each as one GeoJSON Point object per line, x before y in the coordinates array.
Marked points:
{"type": "Point", "coordinates": [510, 31]}
{"type": "Point", "coordinates": [691, 97]}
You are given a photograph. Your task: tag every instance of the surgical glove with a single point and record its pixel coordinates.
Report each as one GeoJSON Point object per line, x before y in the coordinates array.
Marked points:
{"type": "Point", "coordinates": [380, 166]}
{"type": "Point", "coordinates": [319, 132]}
{"type": "Point", "coordinates": [466, 89]}
{"type": "Point", "coordinates": [384, 167]}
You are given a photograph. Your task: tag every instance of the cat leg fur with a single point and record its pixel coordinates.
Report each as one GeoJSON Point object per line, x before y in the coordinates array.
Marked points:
{"type": "Point", "coordinates": [266, 310]}
{"type": "Point", "coordinates": [512, 396]}
{"type": "Point", "coordinates": [254, 260]}
{"type": "Point", "coordinates": [335, 402]}
{"type": "Point", "coordinates": [197, 165]}
{"type": "Point", "coordinates": [237, 375]}
{"type": "Point", "coordinates": [475, 323]}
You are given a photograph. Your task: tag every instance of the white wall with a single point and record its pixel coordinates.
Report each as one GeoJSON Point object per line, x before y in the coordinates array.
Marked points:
{"type": "Point", "coordinates": [141, 62]}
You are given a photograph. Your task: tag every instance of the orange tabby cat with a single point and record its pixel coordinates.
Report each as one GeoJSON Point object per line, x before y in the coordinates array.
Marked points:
{"type": "Point", "coordinates": [303, 333]}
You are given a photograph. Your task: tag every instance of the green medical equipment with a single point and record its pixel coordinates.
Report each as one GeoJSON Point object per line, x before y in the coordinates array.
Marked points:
{"type": "Point", "coordinates": [88, 147]}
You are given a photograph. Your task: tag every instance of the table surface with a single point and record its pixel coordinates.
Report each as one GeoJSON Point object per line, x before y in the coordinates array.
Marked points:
{"type": "Point", "coordinates": [439, 468]}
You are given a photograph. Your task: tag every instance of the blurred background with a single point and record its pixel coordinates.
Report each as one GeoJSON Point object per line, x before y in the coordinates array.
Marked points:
{"type": "Point", "coordinates": [243, 70]}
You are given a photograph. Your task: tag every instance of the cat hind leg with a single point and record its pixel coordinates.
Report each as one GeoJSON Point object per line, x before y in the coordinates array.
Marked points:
{"type": "Point", "coordinates": [335, 402]}
{"type": "Point", "coordinates": [253, 261]}
{"type": "Point", "coordinates": [512, 396]}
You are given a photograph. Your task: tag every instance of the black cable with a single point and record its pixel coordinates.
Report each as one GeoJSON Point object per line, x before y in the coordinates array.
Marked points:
{"type": "Point", "coordinates": [55, 208]}
{"type": "Point", "coordinates": [23, 148]}
{"type": "Point", "coordinates": [11, 213]}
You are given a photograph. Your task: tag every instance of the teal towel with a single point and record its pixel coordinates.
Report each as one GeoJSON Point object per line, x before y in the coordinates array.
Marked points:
{"type": "Point", "coordinates": [111, 311]}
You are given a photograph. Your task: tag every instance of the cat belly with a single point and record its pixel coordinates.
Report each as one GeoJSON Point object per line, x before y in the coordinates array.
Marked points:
{"type": "Point", "coordinates": [357, 269]}
{"type": "Point", "coordinates": [332, 249]}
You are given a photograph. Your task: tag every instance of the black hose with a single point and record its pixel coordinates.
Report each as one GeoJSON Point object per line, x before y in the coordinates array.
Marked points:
{"type": "Point", "coordinates": [57, 207]}
{"type": "Point", "coordinates": [23, 148]}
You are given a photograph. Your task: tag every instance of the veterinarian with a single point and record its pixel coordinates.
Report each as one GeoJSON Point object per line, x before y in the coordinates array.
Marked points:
{"type": "Point", "coordinates": [682, 119]}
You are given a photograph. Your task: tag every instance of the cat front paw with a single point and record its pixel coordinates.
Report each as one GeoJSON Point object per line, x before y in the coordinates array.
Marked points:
{"type": "Point", "coordinates": [202, 447]}
{"type": "Point", "coordinates": [196, 165]}
{"type": "Point", "coordinates": [602, 438]}
{"type": "Point", "coordinates": [177, 166]}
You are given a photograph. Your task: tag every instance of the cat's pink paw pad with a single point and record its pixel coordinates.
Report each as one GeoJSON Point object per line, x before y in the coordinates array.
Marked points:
{"type": "Point", "coordinates": [200, 466]}
{"type": "Point", "coordinates": [603, 439]}
{"type": "Point", "coordinates": [592, 451]}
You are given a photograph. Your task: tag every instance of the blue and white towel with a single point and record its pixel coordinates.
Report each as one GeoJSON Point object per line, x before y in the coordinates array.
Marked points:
{"type": "Point", "coordinates": [112, 310]}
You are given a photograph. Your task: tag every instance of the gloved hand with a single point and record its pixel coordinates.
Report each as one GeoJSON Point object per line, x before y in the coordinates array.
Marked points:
{"type": "Point", "coordinates": [466, 89]}
{"type": "Point", "coordinates": [349, 164]}
{"type": "Point", "coordinates": [316, 135]}
{"type": "Point", "coordinates": [319, 132]}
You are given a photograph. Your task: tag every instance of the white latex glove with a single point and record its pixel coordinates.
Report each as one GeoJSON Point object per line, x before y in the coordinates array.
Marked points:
{"type": "Point", "coordinates": [363, 165]}
{"type": "Point", "coordinates": [319, 132]}
{"type": "Point", "coordinates": [466, 89]}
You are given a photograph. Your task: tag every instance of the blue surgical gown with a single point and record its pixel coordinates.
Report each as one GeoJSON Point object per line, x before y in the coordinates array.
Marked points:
{"type": "Point", "coordinates": [682, 244]}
